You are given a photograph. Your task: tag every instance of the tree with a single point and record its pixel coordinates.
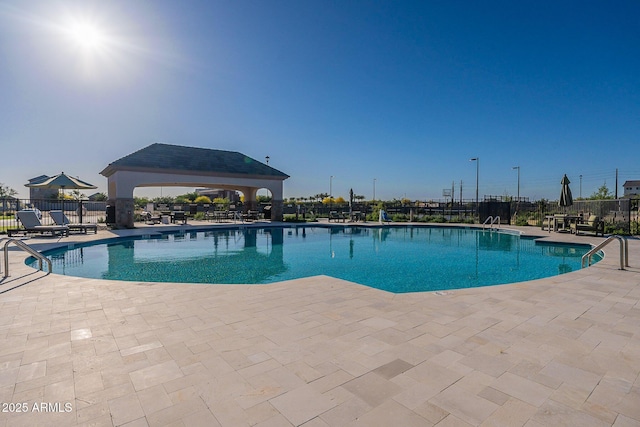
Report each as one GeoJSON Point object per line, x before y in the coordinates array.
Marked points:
{"type": "Point", "coordinates": [327, 200]}
{"type": "Point", "coordinates": [603, 193]}
{"type": "Point", "coordinates": [263, 199]}
{"type": "Point", "coordinates": [5, 191]}
{"type": "Point", "coordinates": [77, 195]}
{"type": "Point", "coordinates": [222, 202]}
{"type": "Point", "coordinates": [182, 199]}
{"type": "Point", "coordinates": [166, 200]}
{"type": "Point", "coordinates": [191, 196]}
{"type": "Point", "coordinates": [100, 197]}
{"type": "Point", "coordinates": [141, 202]}
{"type": "Point", "coordinates": [202, 199]}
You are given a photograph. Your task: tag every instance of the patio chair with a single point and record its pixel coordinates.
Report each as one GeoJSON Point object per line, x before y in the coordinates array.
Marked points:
{"type": "Point", "coordinates": [151, 219]}
{"type": "Point", "coordinates": [335, 216]}
{"type": "Point", "coordinates": [178, 216]}
{"type": "Point", "coordinates": [594, 225]}
{"type": "Point", "coordinates": [31, 223]}
{"type": "Point", "coordinates": [60, 218]}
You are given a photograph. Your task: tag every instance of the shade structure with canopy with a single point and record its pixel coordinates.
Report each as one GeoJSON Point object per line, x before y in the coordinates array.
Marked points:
{"type": "Point", "coordinates": [63, 182]}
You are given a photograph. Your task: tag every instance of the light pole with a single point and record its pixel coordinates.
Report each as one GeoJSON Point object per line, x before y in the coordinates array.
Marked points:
{"type": "Point", "coordinates": [518, 167]}
{"type": "Point", "coordinates": [374, 190]}
{"type": "Point", "coordinates": [330, 191]}
{"type": "Point", "coordinates": [477, 160]}
{"type": "Point", "coordinates": [581, 186]}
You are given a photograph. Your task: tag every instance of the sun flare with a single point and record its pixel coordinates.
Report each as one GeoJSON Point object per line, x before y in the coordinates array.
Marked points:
{"type": "Point", "coordinates": [86, 36]}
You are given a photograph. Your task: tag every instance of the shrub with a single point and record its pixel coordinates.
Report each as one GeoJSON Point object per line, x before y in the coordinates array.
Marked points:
{"type": "Point", "coordinates": [292, 218]}
{"type": "Point", "coordinates": [202, 199]}
{"type": "Point", "coordinates": [616, 228]}
{"type": "Point", "coordinates": [522, 220]}
{"type": "Point", "coordinates": [198, 216]}
{"type": "Point", "coordinates": [399, 218]}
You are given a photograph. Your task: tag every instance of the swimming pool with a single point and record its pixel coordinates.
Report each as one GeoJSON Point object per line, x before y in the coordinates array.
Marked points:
{"type": "Point", "coordinates": [395, 259]}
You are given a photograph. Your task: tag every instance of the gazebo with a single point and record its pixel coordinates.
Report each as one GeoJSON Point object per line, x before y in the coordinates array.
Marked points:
{"type": "Point", "coordinates": [166, 165]}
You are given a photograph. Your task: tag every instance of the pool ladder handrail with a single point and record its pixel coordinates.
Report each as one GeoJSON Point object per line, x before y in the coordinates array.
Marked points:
{"type": "Point", "coordinates": [624, 251]}
{"type": "Point", "coordinates": [492, 220]}
{"type": "Point", "coordinates": [22, 245]}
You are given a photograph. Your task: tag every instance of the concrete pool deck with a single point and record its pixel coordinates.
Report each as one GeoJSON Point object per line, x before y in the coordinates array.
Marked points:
{"type": "Point", "coordinates": [320, 351]}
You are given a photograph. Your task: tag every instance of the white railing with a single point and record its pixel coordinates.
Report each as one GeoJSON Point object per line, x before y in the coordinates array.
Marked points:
{"type": "Point", "coordinates": [491, 220]}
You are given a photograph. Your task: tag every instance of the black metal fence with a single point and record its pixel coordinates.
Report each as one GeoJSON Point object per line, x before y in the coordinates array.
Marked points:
{"type": "Point", "coordinates": [76, 211]}
{"type": "Point", "coordinates": [619, 215]}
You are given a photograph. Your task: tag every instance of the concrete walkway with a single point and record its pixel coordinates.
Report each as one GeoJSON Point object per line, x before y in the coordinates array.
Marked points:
{"type": "Point", "coordinates": [320, 351]}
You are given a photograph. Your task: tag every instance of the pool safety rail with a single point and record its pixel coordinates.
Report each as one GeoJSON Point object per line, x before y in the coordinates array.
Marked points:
{"type": "Point", "coordinates": [492, 220]}
{"type": "Point", "coordinates": [624, 251]}
{"type": "Point", "coordinates": [22, 245]}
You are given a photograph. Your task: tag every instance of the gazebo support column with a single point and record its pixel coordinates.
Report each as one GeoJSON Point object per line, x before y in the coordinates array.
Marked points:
{"type": "Point", "coordinates": [250, 203]}
{"type": "Point", "coordinates": [277, 210]}
{"type": "Point", "coordinates": [277, 202]}
{"type": "Point", "coordinates": [124, 211]}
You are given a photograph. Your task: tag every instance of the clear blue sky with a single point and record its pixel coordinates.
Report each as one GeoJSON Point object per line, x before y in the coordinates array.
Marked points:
{"type": "Point", "coordinates": [404, 92]}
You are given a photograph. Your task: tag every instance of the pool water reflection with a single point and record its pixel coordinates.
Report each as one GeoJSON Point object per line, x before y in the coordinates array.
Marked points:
{"type": "Point", "coordinates": [395, 259]}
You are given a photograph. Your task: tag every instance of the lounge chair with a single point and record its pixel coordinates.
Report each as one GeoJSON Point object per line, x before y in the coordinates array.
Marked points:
{"type": "Point", "coordinates": [384, 217]}
{"type": "Point", "coordinates": [335, 216]}
{"type": "Point", "coordinates": [594, 224]}
{"type": "Point", "coordinates": [32, 224]}
{"type": "Point", "coordinates": [60, 218]}
{"type": "Point", "coordinates": [151, 219]}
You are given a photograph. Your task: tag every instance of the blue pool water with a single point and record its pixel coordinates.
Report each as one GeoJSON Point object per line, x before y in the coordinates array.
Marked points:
{"type": "Point", "coordinates": [395, 259]}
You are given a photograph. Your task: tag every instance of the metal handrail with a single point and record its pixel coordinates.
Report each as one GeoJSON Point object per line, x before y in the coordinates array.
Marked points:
{"type": "Point", "coordinates": [22, 245]}
{"type": "Point", "coordinates": [492, 220]}
{"type": "Point", "coordinates": [624, 251]}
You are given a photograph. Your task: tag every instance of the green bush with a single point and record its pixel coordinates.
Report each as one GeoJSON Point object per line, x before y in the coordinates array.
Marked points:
{"type": "Point", "coordinates": [198, 216]}
{"type": "Point", "coordinates": [616, 228]}
{"type": "Point", "coordinates": [399, 218]}
{"type": "Point", "coordinates": [522, 220]}
{"type": "Point", "coordinates": [292, 218]}
{"type": "Point", "coordinates": [202, 199]}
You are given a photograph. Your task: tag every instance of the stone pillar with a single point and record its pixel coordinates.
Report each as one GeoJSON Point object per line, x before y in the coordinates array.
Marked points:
{"type": "Point", "coordinates": [124, 212]}
{"type": "Point", "coordinates": [250, 202]}
{"type": "Point", "coordinates": [277, 210]}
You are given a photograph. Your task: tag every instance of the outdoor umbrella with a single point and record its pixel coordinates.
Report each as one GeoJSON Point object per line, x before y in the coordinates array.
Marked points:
{"type": "Point", "coordinates": [566, 199]}
{"type": "Point", "coordinates": [350, 201]}
{"type": "Point", "coordinates": [63, 182]}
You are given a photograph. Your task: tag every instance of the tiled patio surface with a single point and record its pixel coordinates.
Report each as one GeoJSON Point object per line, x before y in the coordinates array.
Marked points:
{"type": "Point", "coordinates": [321, 351]}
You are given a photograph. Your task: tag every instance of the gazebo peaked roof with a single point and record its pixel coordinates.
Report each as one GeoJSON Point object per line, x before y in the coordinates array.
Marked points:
{"type": "Point", "coordinates": [167, 157]}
